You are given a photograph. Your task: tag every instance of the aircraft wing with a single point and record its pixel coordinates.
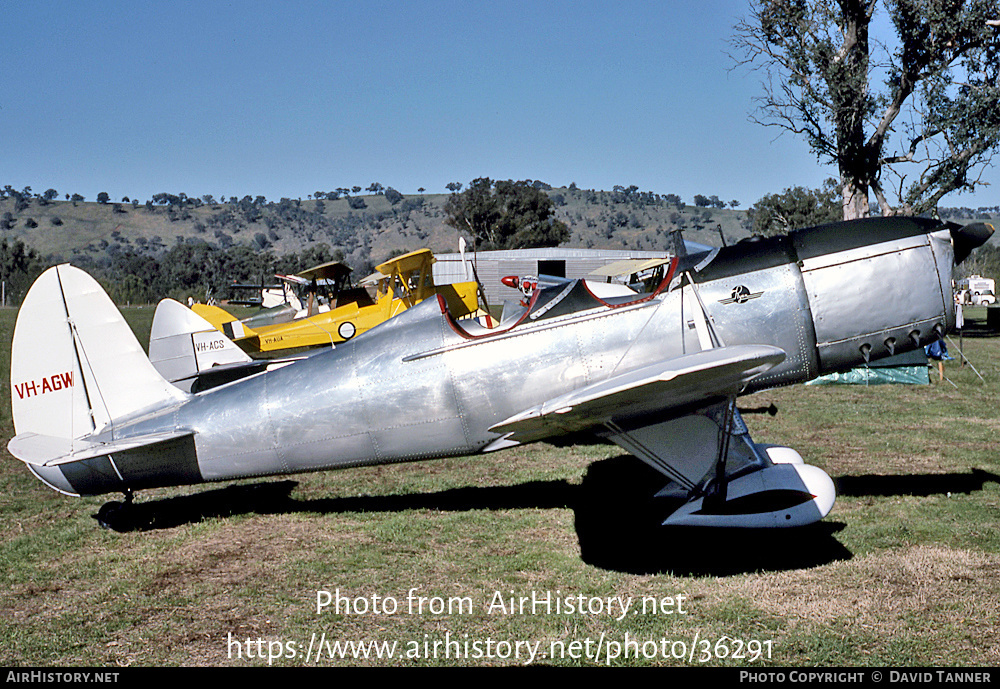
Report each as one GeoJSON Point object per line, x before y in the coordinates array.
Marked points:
{"type": "Point", "coordinates": [401, 264]}
{"type": "Point", "coordinates": [692, 380]}
{"type": "Point", "coordinates": [332, 270]}
{"type": "Point", "coordinates": [629, 266]}
{"type": "Point", "coordinates": [294, 279]}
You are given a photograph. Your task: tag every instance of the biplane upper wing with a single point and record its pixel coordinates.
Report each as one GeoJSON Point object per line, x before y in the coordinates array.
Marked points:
{"type": "Point", "coordinates": [399, 264]}
{"type": "Point", "coordinates": [294, 279]}
{"type": "Point", "coordinates": [333, 271]}
{"type": "Point", "coordinates": [686, 382]}
{"type": "Point", "coordinates": [405, 262]}
{"type": "Point", "coordinates": [629, 266]}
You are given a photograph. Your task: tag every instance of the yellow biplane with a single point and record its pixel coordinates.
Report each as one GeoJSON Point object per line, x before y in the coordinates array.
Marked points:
{"type": "Point", "coordinates": [398, 284]}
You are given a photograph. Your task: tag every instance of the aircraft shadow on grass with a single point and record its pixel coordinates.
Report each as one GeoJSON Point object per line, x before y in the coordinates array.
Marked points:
{"type": "Point", "coordinates": [910, 484]}
{"type": "Point", "coordinates": [618, 530]}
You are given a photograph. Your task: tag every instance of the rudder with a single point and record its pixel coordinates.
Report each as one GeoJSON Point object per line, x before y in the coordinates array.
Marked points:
{"type": "Point", "coordinates": [76, 367]}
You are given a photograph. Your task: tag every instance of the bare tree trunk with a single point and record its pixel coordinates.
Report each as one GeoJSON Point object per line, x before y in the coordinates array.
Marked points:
{"type": "Point", "coordinates": [855, 199]}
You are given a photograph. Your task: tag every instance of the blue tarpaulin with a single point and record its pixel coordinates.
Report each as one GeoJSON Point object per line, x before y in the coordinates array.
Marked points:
{"type": "Point", "coordinates": [904, 369]}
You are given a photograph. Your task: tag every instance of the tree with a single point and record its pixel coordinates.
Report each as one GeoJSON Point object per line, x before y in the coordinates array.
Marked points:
{"type": "Point", "coordinates": [103, 197]}
{"type": "Point", "coordinates": [793, 208]}
{"type": "Point", "coordinates": [983, 261]}
{"type": "Point", "coordinates": [393, 196]}
{"type": "Point", "coordinates": [929, 129]}
{"type": "Point", "coordinates": [19, 266]}
{"type": "Point", "coordinates": [505, 215]}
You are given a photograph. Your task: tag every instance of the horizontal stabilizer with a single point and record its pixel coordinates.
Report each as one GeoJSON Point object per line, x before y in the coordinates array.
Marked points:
{"type": "Point", "coordinates": [47, 450]}
{"type": "Point", "coordinates": [688, 380]}
{"type": "Point", "coordinates": [213, 314]}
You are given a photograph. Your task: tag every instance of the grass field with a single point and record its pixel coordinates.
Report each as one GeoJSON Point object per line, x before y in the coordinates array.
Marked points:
{"type": "Point", "coordinates": [904, 572]}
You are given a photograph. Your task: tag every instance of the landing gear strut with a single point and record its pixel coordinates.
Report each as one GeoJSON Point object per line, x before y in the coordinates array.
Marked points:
{"type": "Point", "coordinates": [717, 495]}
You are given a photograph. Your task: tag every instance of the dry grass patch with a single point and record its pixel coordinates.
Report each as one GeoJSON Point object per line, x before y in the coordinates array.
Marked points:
{"type": "Point", "coordinates": [886, 594]}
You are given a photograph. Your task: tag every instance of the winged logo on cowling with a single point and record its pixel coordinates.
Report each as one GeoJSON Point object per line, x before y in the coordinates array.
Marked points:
{"type": "Point", "coordinates": [741, 295]}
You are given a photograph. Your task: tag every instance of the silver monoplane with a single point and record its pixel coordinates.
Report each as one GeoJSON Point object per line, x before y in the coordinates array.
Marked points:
{"type": "Point", "coordinates": [657, 373]}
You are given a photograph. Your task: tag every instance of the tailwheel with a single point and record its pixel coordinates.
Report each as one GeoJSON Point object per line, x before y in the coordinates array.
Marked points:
{"type": "Point", "coordinates": [112, 514]}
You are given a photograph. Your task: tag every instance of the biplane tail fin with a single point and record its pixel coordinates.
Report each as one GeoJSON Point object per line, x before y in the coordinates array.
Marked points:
{"type": "Point", "coordinates": [183, 345]}
{"type": "Point", "coordinates": [76, 366]}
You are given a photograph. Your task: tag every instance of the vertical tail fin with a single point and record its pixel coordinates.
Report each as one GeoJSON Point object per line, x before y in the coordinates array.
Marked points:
{"type": "Point", "coordinates": [182, 344]}
{"type": "Point", "coordinates": [75, 365]}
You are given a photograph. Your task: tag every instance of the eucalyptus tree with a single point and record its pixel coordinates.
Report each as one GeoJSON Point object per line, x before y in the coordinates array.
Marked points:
{"type": "Point", "coordinates": [505, 215]}
{"type": "Point", "coordinates": [904, 103]}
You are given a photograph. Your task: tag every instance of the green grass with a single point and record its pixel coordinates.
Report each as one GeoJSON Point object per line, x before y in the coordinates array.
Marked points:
{"type": "Point", "coordinates": [905, 571]}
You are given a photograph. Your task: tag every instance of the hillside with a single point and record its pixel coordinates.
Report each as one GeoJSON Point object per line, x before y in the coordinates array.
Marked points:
{"type": "Point", "coordinates": [367, 233]}
{"type": "Point", "coordinates": [367, 229]}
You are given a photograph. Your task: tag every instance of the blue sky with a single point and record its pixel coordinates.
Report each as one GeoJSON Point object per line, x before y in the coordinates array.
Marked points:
{"type": "Point", "coordinates": [282, 99]}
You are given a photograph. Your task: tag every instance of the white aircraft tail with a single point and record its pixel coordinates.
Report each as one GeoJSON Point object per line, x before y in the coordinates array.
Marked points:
{"type": "Point", "coordinates": [182, 344]}
{"type": "Point", "coordinates": [75, 365]}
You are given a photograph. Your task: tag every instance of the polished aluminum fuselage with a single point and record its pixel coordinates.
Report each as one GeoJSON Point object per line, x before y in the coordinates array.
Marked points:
{"type": "Point", "coordinates": [420, 387]}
